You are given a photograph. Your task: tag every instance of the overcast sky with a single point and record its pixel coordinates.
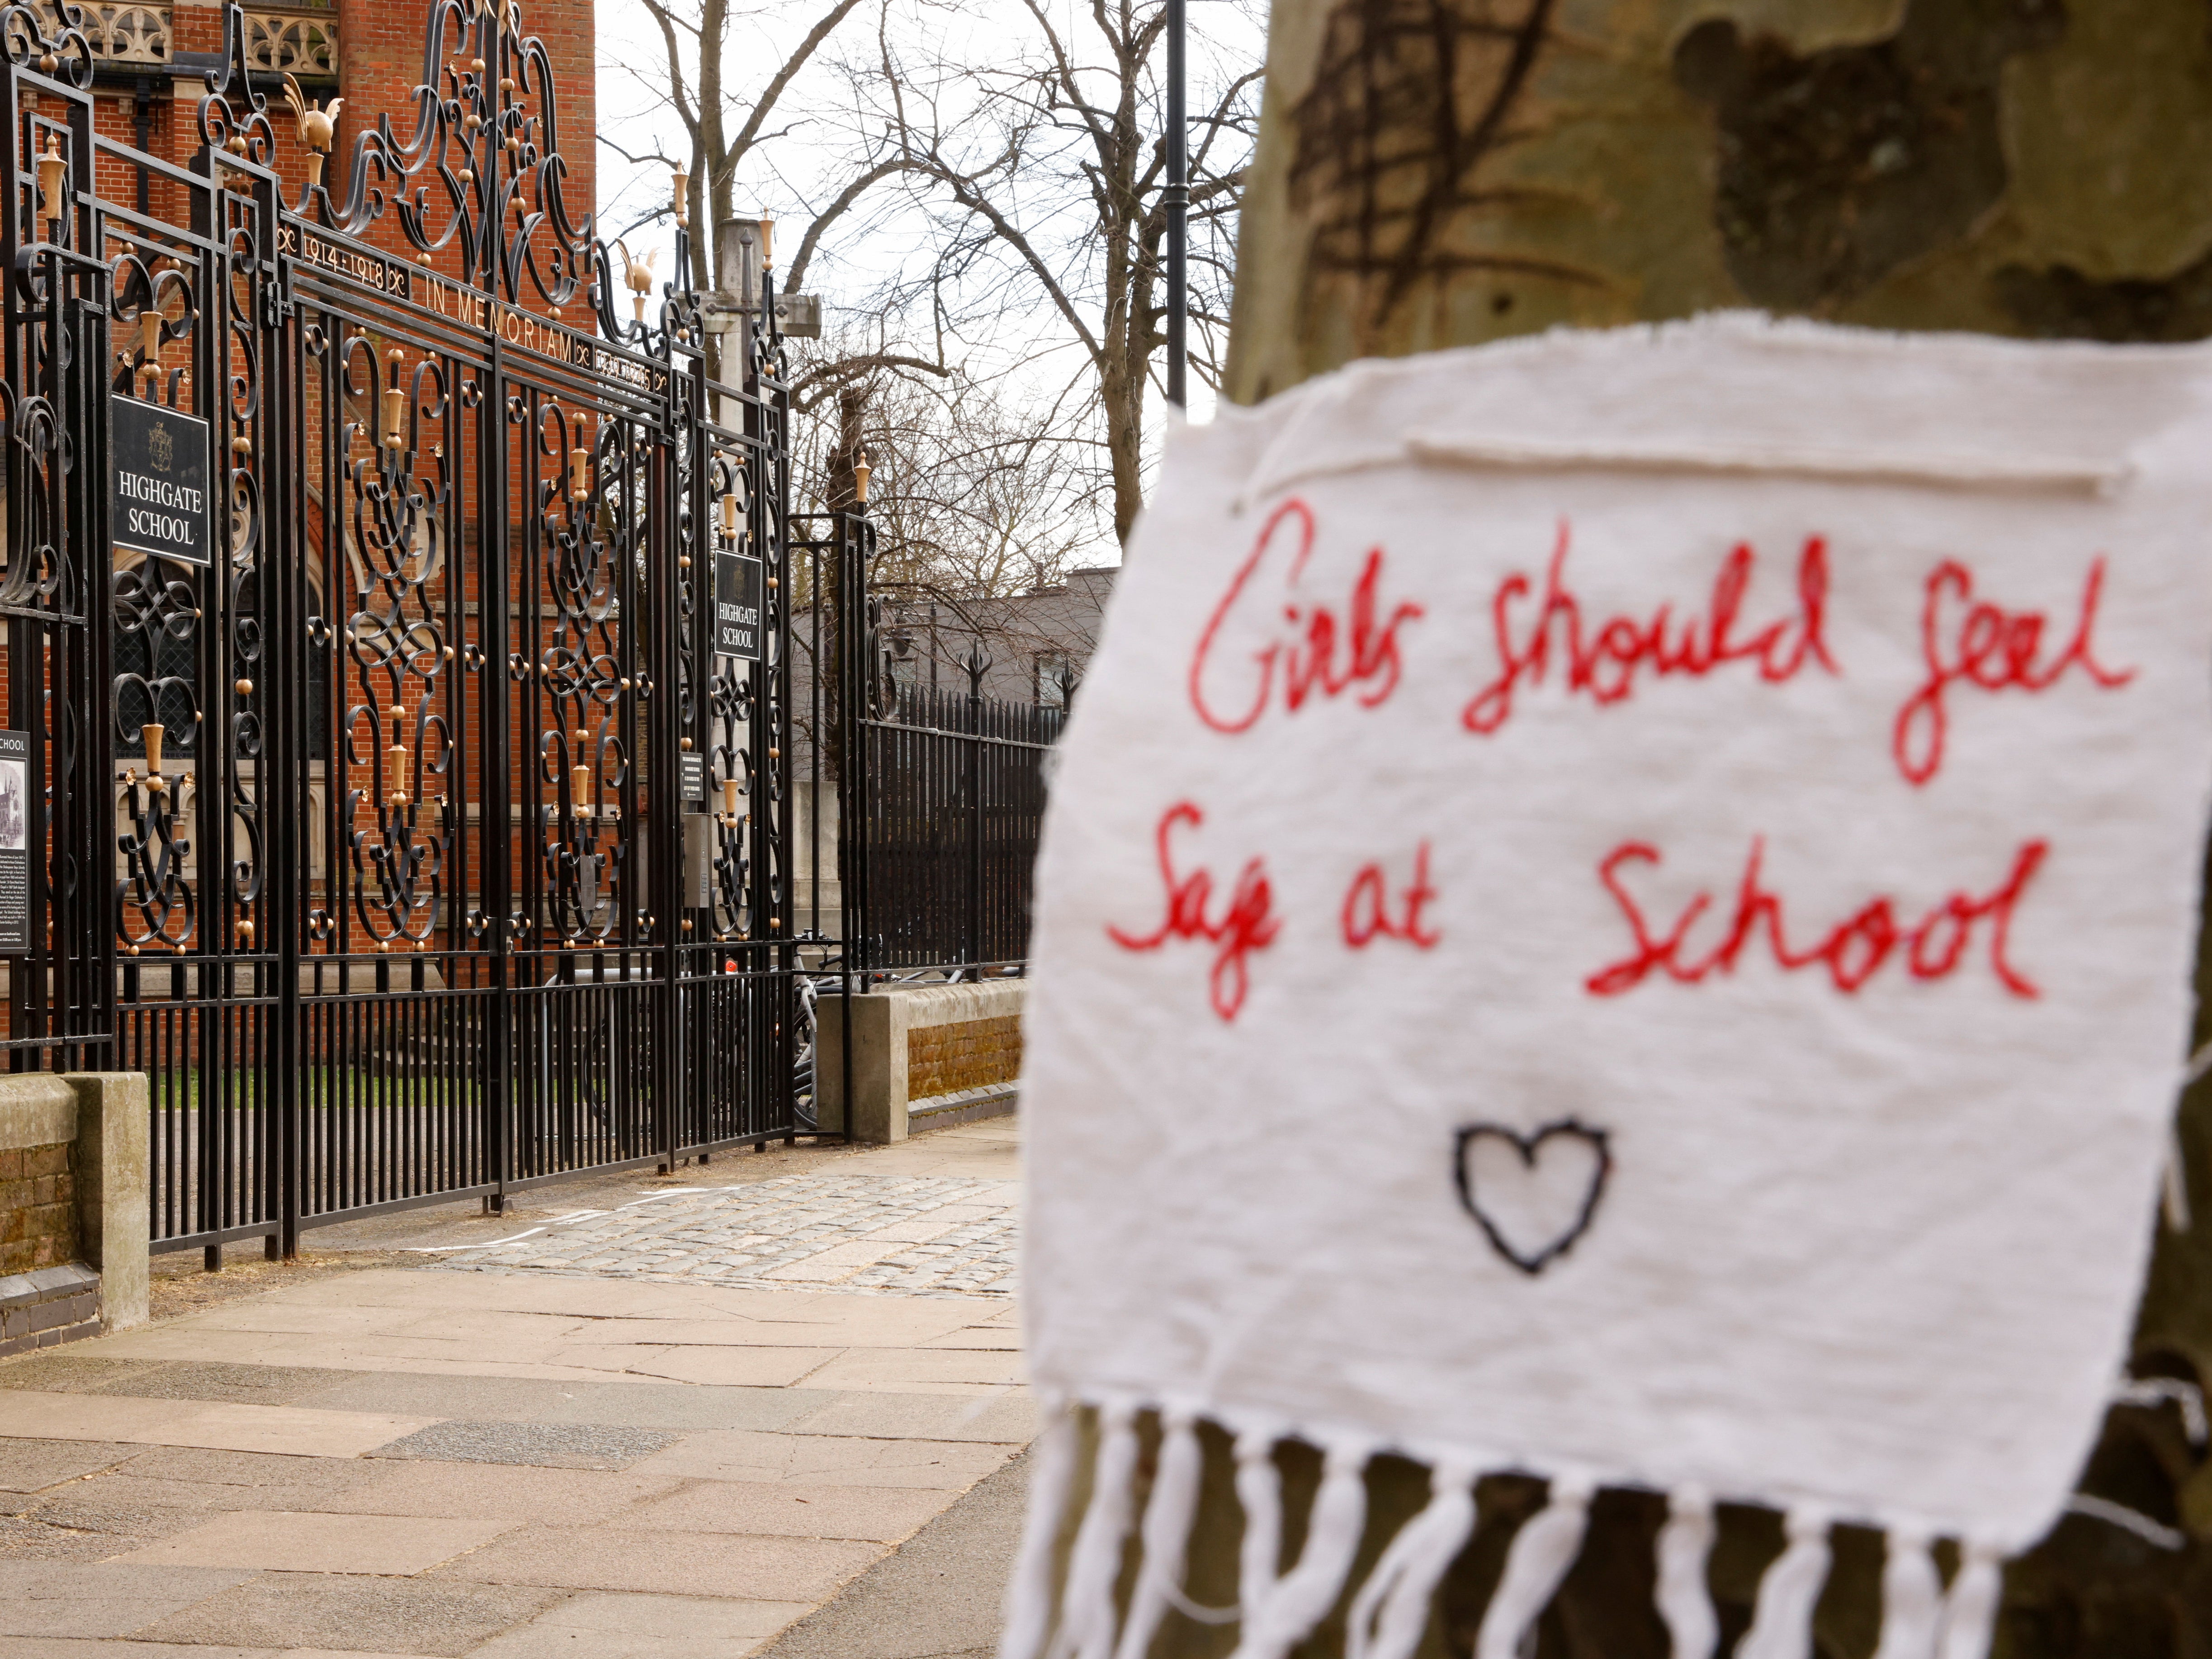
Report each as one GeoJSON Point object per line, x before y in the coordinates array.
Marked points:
{"type": "Point", "coordinates": [807, 161]}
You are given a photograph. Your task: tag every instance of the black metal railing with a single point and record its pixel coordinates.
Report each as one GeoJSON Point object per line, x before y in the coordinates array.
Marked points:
{"type": "Point", "coordinates": [956, 798]}
{"type": "Point", "coordinates": [414, 833]}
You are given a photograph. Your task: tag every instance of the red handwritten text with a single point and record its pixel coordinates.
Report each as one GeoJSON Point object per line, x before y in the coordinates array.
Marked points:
{"type": "Point", "coordinates": [1962, 638]}
{"type": "Point", "coordinates": [1316, 650]}
{"type": "Point", "coordinates": [1605, 658]}
{"type": "Point", "coordinates": [1852, 952]}
{"type": "Point", "coordinates": [1247, 924]}
{"type": "Point", "coordinates": [1368, 914]}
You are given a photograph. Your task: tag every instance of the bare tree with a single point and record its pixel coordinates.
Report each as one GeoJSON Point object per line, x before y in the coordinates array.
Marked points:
{"type": "Point", "coordinates": [690, 80]}
{"type": "Point", "coordinates": [1038, 165]}
{"type": "Point", "coordinates": [974, 492]}
{"type": "Point", "coordinates": [982, 503]}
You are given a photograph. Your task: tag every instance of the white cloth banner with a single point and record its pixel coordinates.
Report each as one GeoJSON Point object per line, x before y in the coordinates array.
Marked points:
{"type": "Point", "coordinates": [1621, 905]}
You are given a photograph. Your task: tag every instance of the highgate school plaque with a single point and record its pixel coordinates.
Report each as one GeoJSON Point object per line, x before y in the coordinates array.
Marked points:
{"type": "Point", "coordinates": [737, 606]}
{"type": "Point", "coordinates": [158, 482]}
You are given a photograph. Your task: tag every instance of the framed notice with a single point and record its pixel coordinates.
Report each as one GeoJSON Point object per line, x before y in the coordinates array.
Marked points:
{"type": "Point", "coordinates": [158, 493]}
{"type": "Point", "coordinates": [737, 606]}
{"type": "Point", "coordinates": [692, 780]}
{"type": "Point", "coordinates": [15, 843]}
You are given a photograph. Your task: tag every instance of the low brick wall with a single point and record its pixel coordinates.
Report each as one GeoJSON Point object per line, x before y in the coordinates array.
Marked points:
{"type": "Point", "coordinates": [948, 1059]}
{"type": "Point", "coordinates": [38, 1201]}
{"type": "Point", "coordinates": [924, 1056]}
{"type": "Point", "coordinates": [73, 1206]}
{"type": "Point", "coordinates": [52, 1305]}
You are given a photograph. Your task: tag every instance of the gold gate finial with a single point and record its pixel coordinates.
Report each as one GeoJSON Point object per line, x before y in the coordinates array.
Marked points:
{"type": "Point", "coordinates": [318, 127]}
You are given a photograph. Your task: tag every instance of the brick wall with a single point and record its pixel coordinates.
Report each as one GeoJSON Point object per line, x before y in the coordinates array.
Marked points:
{"type": "Point", "coordinates": [380, 58]}
{"type": "Point", "coordinates": [38, 1208]}
{"type": "Point", "coordinates": [941, 1059]}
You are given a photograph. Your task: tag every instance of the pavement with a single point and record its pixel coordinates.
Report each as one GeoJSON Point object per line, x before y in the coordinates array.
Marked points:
{"type": "Point", "coordinates": [768, 1406]}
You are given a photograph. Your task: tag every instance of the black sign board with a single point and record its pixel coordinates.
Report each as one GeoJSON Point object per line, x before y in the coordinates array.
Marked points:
{"type": "Point", "coordinates": [157, 493]}
{"type": "Point", "coordinates": [737, 606]}
{"type": "Point", "coordinates": [691, 780]}
{"type": "Point", "coordinates": [15, 843]}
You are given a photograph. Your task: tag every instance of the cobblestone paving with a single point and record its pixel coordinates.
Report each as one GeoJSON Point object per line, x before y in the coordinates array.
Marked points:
{"type": "Point", "coordinates": [940, 1236]}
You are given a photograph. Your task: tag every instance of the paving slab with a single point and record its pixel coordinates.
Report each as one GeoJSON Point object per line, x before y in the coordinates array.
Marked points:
{"type": "Point", "coordinates": [920, 1371]}
{"type": "Point", "coordinates": [213, 1479]}
{"type": "Point", "coordinates": [251, 1385]}
{"type": "Point", "coordinates": [49, 1599]}
{"type": "Point", "coordinates": [30, 1466]}
{"type": "Point", "coordinates": [614, 1626]}
{"type": "Point", "coordinates": [305, 1433]}
{"type": "Point", "coordinates": [828, 1460]}
{"type": "Point", "coordinates": [26, 1539]}
{"type": "Point", "coordinates": [726, 1365]}
{"type": "Point", "coordinates": [1004, 1417]}
{"type": "Point", "coordinates": [501, 1491]}
{"type": "Point", "coordinates": [616, 1310]}
{"type": "Point", "coordinates": [386, 1354]}
{"type": "Point", "coordinates": [628, 1403]}
{"type": "Point", "coordinates": [1003, 1339]}
{"type": "Point", "coordinates": [283, 1541]}
{"type": "Point", "coordinates": [545, 1445]}
{"type": "Point", "coordinates": [56, 1647]}
{"type": "Point", "coordinates": [354, 1615]}
{"type": "Point", "coordinates": [63, 1373]}
{"type": "Point", "coordinates": [123, 1518]}
{"type": "Point", "coordinates": [609, 1558]}
{"type": "Point", "coordinates": [882, 1515]}
{"type": "Point", "coordinates": [938, 1597]}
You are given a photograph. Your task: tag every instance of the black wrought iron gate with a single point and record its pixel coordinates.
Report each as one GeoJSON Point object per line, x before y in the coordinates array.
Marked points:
{"type": "Point", "coordinates": [417, 844]}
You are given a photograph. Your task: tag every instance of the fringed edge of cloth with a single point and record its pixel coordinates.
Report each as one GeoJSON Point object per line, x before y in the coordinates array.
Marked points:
{"type": "Point", "coordinates": [1278, 1607]}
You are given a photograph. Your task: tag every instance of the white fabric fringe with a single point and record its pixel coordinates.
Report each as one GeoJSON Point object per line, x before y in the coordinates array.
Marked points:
{"type": "Point", "coordinates": [1028, 1613]}
{"type": "Point", "coordinates": [1086, 1613]}
{"type": "Point", "coordinates": [1911, 1599]}
{"type": "Point", "coordinates": [1302, 1597]}
{"type": "Point", "coordinates": [1970, 1613]}
{"type": "Point", "coordinates": [1686, 1600]}
{"type": "Point", "coordinates": [1260, 1495]}
{"type": "Point", "coordinates": [1542, 1551]}
{"type": "Point", "coordinates": [1391, 1612]}
{"type": "Point", "coordinates": [1782, 1623]}
{"type": "Point", "coordinates": [1166, 1533]}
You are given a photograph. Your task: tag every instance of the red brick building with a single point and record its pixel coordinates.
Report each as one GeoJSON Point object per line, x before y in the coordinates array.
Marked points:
{"type": "Point", "coordinates": [150, 61]}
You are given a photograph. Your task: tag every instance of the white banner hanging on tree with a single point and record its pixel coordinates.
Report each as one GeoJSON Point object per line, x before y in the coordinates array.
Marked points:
{"type": "Point", "coordinates": [1620, 906]}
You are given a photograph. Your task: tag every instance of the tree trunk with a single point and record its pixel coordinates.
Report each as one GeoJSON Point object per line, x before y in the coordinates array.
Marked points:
{"type": "Point", "coordinates": [844, 496]}
{"type": "Point", "coordinates": [1438, 173]}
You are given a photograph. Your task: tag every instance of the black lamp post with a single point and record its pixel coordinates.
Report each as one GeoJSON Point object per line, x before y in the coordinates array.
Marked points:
{"type": "Point", "coordinates": [1177, 200]}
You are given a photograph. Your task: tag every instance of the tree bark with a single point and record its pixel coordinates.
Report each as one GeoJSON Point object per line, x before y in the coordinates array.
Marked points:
{"type": "Point", "coordinates": [1440, 172]}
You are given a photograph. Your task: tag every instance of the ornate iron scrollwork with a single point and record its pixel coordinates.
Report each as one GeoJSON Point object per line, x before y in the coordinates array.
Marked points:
{"type": "Point", "coordinates": [156, 907]}
{"type": "Point", "coordinates": [48, 36]}
{"type": "Point", "coordinates": [399, 829]}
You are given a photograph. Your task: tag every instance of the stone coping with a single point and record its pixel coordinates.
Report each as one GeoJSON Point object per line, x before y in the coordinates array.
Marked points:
{"type": "Point", "coordinates": [959, 1097]}
{"type": "Point", "coordinates": [46, 1285]}
{"type": "Point", "coordinates": [37, 1108]}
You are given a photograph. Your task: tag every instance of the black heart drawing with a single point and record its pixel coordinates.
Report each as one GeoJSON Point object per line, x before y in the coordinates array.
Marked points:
{"type": "Point", "coordinates": [1529, 1220]}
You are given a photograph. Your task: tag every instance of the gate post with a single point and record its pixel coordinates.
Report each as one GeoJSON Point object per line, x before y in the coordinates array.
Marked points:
{"type": "Point", "coordinates": [677, 1079]}
{"type": "Point", "coordinates": [282, 771]}
{"type": "Point", "coordinates": [496, 900]}
{"type": "Point", "coordinates": [978, 664]}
